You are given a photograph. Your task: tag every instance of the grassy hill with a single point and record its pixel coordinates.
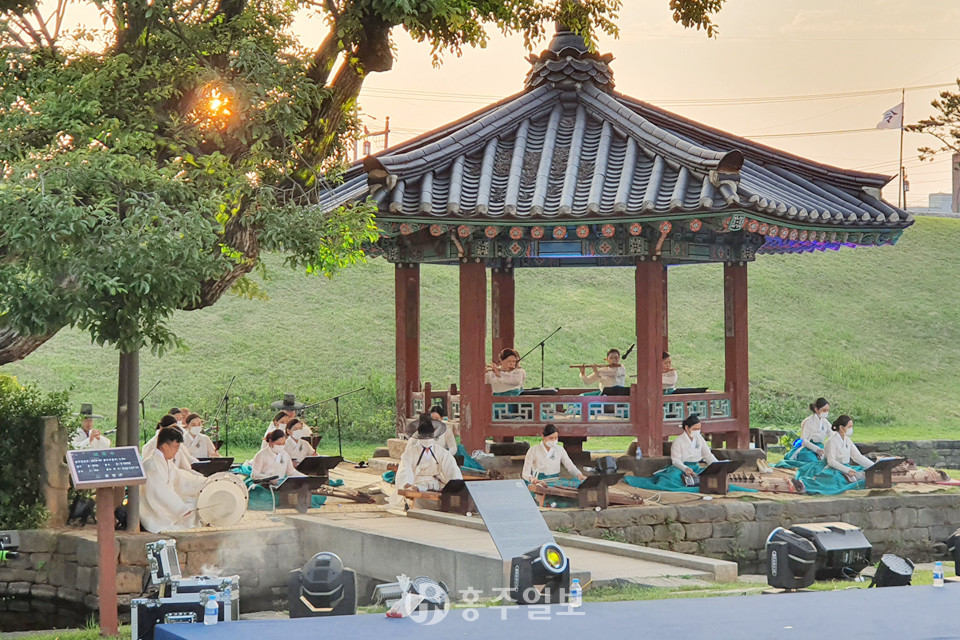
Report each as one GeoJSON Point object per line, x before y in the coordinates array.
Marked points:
{"type": "Point", "coordinates": [876, 331]}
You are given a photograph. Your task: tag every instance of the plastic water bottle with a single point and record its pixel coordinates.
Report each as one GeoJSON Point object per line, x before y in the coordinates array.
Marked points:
{"type": "Point", "coordinates": [639, 453]}
{"type": "Point", "coordinates": [938, 574]}
{"type": "Point", "coordinates": [576, 594]}
{"type": "Point", "coordinates": [226, 603]}
{"type": "Point", "coordinates": [210, 610]}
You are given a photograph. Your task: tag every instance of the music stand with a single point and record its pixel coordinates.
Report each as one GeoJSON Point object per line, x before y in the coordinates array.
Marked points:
{"type": "Point", "coordinates": [318, 465]}
{"type": "Point", "coordinates": [210, 466]}
{"type": "Point", "coordinates": [302, 487]}
{"type": "Point", "coordinates": [880, 475]}
{"type": "Point", "coordinates": [455, 498]}
{"type": "Point", "coordinates": [714, 480]}
{"type": "Point", "coordinates": [592, 492]}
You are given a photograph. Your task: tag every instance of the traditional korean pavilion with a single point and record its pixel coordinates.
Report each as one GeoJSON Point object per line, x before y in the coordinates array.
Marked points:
{"type": "Point", "coordinates": [568, 172]}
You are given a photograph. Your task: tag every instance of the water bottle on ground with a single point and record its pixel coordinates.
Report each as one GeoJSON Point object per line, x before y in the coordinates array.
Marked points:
{"type": "Point", "coordinates": [938, 574]}
{"type": "Point", "coordinates": [576, 594]}
{"type": "Point", "coordinates": [211, 611]}
{"type": "Point", "coordinates": [226, 603]}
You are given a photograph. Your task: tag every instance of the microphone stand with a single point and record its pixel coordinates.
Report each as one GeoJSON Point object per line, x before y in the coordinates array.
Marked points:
{"type": "Point", "coordinates": [336, 402]}
{"type": "Point", "coordinates": [143, 410]}
{"type": "Point", "coordinates": [225, 405]}
{"type": "Point", "coordinates": [540, 344]}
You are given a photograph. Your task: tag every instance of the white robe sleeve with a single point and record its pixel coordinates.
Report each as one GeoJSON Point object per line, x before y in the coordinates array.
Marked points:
{"type": "Point", "coordinates": [590, 378]}
{"type": "Point", "coordinates": [449, 441]}
{"type": "Point", "coordinates": [669, 378]}
{"type": "Point", "coordinates": [529, 464]}
{"type": "Point", "coordinates": [165, 509]}
{"type": "Point", "coordinates": [258, 470]}
{"type": "Point", "coordinates": [289, 470]}
{"type": "Point", "coordinates": [676, 452]}
{"type": "Point", "coordinates": [405, 471]}
{"type": "Point", "coordinates": [568, 463]}
{"type": "Point", "coordinates": [448, 467]}
{"type": "Point", "coordinates": [808, 429]}
{"type": "Point", "coordinates": [859, 458]}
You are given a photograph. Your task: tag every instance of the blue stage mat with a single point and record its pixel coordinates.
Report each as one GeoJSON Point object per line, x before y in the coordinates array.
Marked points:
{"type": "Point", "coordinates": [902, 613]}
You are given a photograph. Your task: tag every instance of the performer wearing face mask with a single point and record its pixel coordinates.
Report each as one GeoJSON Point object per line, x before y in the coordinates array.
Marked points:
{"type": "Point", "coordinates": [274, 460]}
{"type": "Point", "coordinates": [426, 465]}
{"type": "Point", "coordinates": [201, 446]}
{"type": "Point", "coordinates": [690, 447]}
{"type": "Point", "coordinates": [835, 474]}
{"type": "Point", "coordinates": [183, 458]}
{"type": "Point", "coordinates": [813, 433]}
{"type": "Point", "coordinates": [296, 446]}
{"type": "Point", "coordinates": [279, 421]}
{"type": "Point", "coordinates": [542, 462]}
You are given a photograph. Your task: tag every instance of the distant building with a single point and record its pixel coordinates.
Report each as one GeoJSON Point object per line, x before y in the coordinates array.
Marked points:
{"type": "Point", "coordinates": [939, 205]}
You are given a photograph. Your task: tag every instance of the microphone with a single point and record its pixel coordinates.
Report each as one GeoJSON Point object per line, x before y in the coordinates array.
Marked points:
{"type": "Point", "coordinates": [629, 351]}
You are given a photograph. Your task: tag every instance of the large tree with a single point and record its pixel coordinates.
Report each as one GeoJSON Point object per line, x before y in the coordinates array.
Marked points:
{"type": "Point", "coordinates": [148, 174]}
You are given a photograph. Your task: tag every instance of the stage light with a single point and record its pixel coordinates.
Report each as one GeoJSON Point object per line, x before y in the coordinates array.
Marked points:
{"type": "Point", "coordinates": [540, 576]}
{"type": "Point", "coordinates": [842, 550]}
{"type": "Point", "coordinates": [9, 545]}
{"type": "Point", "coordinates": [322, 587]}
{"type": "Point", "coordinates": [791, 560]}
{"type": "Point", "coordinates": [892, 571]}
{"type": "Point", "coordinates": [953, 548]}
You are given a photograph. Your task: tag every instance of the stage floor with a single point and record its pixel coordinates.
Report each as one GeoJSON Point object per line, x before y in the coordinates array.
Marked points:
{"type": "Point", "coordinates": [904, 613]}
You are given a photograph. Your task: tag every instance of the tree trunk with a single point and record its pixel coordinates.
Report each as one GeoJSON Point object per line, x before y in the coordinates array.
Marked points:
{"type": "Point", "coordinates": [14, 346]}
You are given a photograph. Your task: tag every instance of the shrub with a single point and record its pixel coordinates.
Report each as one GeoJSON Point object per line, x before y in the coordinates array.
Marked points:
{"type": "Point", "coordinates": [21, 441]}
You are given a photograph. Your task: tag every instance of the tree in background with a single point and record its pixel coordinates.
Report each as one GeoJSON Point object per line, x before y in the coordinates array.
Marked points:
{"type": "Point", "coordinates": [149, 176]}
{"type": "Point", "coordinates": [944, 125]}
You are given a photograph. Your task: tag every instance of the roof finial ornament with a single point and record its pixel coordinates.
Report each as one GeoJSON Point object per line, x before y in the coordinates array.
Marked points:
{"type": "Point", "coordinates": [568, 62]}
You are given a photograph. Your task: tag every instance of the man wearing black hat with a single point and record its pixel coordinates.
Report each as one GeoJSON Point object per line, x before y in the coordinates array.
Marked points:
{"type": "Point", "coordinates": [87, 437]}
{"type": "Point", "coordinates": [425, 465]}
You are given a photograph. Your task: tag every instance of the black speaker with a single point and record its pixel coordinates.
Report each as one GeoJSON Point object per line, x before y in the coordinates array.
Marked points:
{"type": "Point", "coordinates": [892, 571]}
{"type": "Point", "coordinates": [791, 560]}
{"type": "Point", "coordinates": [540, 576]}
{"type": "Point", "coordinates": [323, 587]}
{"type": "Point", "coordinates": [842, 549]}
{"type": "Point", "coordinates": [953, 548]}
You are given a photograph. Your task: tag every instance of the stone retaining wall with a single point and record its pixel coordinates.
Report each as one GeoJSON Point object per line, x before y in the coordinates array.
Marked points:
{"type": "Point", "coordinates": [926, 453]}
{"type": "Point", "coordinates": [914, 526]}
{"type": "Point", "coordinates": [62, 565]}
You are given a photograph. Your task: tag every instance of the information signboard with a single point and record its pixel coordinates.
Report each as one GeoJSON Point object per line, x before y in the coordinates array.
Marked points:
{"type": "Point", "coordinates": [511, 516]}
{"type": "Point", "coordinates": [98, 468]}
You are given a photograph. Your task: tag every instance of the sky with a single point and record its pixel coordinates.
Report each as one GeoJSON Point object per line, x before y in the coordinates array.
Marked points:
{"type": "Point", "coordinates": [744, 81]}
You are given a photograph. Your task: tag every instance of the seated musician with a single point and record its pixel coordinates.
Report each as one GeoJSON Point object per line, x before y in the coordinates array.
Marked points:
{"type": "Point", "coordinates": [296, 446]}
{"type": "Point", "coordinates": [169, 497]}
{"type": "Point", "coordinates": [689, 448]}
{"type": "Point", "coordinates": [279, 421]}
{"type": "Point", "coordinates": [542, 462]}
{"type": "Point", "coordinates": [87, 437]}
{"type": "Point", "coordinates": [612, 378]}
{"type": "Point", "coordinates": [840, 450]}
{"type": "Point", "coordinates": [274, 460]}
{"type": "Point", "coordinates": [668, 374]}
{"type": "Point", "coordinates": [200, 446]}
{"type": "Point", "coordinates": [183, 459]}
{"type": "Point", "coordinates": [506, 377]}
{"type": "Point", "coordinates": [425, 465]}
{"type": "Point", "coordinates": [813, 433]}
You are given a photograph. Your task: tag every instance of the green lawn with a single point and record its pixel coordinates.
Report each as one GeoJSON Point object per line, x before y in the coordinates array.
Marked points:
{"type": "Point", "coordinates": [876, 331]}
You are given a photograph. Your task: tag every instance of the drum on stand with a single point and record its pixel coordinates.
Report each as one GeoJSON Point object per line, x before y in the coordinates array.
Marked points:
{"type": "Point", "coordinates": [223, 499]}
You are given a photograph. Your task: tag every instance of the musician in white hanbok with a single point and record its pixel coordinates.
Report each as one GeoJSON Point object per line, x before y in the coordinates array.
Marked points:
{"type": "Point", "coordinates": [274, 461]}
{"type": "Point", "coordinates": [86, 436]}
{"type": "Point", "coordinates": [543, 460]}
{"type": "Point", "coordinates": [183, 458]}
{"type": "Point", "coordinates": [200, 446]}
{"type": "Point", "coordinates": [169, 497]}
{"type": "Point", "coordinates": [668, 374]}
{"type": "Point", "coordinates": [506, 377]}
{"type": "Point", "coordinates": [425, 464]}
{"type": "Point", "coordinates": [690, 447]}
{"type": "Point", "coordinates": [296, 445]}
{"type": "Point", "coordinates": [840, 451]}
{"type": "Point", "coordinates": [612, 377]}
{"type": "Point", "coordinates": [813, 434]}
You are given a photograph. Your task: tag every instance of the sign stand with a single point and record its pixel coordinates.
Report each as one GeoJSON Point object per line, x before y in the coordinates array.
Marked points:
{"type": "Point", "coordinates": [105, 470]}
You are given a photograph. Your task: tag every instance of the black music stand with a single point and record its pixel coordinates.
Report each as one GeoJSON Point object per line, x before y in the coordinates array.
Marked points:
{"type": "Point", "coordinates": [302, 487]}
{"type": "Point", "coordinates": [714, 480]}
{"type": "Point", "coordinates": [592, 492]}
{"type": "Point", "coordinates": [318, 465]}
{"type": "Point", "coordinates": [210, 466]}
{"type": "Point", "coordinates": [455, 498]}
{"type": "Point", "coordinates": [880, 475]}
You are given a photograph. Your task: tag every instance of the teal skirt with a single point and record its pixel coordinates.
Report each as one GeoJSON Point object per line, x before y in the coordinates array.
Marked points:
{"type": "Point", "coordinates": [671, 479]}
{"type": "Point", "coordinates": [511, 392]}
{"type": "Point", "coordinates": [819, 479]}
{"type": "Point", "coordinates": [797, 457]}
{"type": "Point", "coordinates": [468, 462]}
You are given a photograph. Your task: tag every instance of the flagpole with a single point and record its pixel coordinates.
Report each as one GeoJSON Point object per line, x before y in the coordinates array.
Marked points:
{"type": "Point", "coordinates": [901, 194]}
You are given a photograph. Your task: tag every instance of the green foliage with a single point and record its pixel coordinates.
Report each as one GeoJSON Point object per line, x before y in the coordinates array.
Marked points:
{"type": "Point", "coordinates": [944, 125]}
{"type": "Point", "coordinates": [21, 438]}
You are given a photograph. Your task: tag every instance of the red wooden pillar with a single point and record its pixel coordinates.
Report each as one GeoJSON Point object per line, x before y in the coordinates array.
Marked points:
{"type": "Point", "coordinates": [647, 409]}
{"type": "Point", "coordinates": [502, 312]}
{"type": "Point", "coordinates": [107, 563]}
{"type": "Point", "coordinates": [407, 291]}
{"type": "Point", "coordinates": [474, 395]}
{"type": "Point", "coordinates": [666, 312]}
{"type": "Point", "coordinates": [737, 352]}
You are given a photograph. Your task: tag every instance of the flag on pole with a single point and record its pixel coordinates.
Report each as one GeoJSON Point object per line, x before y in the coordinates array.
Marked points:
{"type": "Point", "coordinates": [892, 118]}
